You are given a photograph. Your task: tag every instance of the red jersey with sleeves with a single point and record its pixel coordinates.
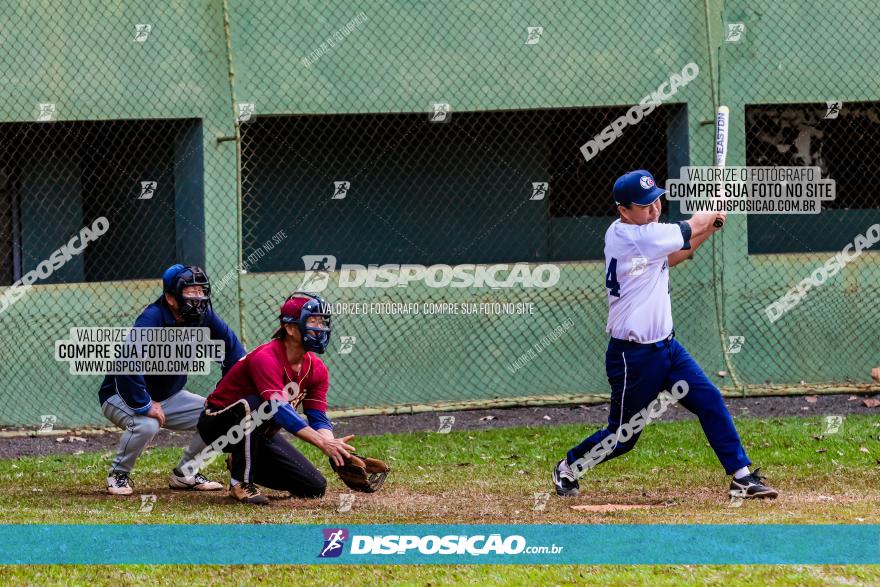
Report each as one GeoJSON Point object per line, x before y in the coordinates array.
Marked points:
{"type": "Point", "coordinates": [265, 371]}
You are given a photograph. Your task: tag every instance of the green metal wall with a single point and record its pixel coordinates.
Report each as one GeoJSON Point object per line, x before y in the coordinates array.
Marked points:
{"type": "Point", "coordinates": [82, 57]}
{"type": "Point", "coordinates": [407, 55]}
{"type": "Point", "coordinates": [800, 52]}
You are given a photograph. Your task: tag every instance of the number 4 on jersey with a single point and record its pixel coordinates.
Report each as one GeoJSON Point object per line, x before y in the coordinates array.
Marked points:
{"type": "Point", "coordinates": [611, 279]}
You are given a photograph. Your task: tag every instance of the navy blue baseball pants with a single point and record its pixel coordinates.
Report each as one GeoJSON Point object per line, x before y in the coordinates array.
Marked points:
{"type": "Point", "coordinates": [638, 373]}
{"type": "Point", "coordinates": [263, 456]}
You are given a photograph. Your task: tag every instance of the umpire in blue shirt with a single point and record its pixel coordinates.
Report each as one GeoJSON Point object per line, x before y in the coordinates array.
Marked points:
{"type": "Point", "coordinates": [141, 404]}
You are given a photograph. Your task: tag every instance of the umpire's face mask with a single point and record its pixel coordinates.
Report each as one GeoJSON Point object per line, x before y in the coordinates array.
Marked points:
{"type": "Point", "coordinates": [193, 305]}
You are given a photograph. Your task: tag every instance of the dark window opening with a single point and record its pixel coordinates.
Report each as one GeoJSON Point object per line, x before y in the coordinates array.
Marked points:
{"type": "Point", "coordinates": [461, 191]}
{"type": "Point", "coordinates": [144, 176]}
{"type": "Point", "coordinates": [845, 147]}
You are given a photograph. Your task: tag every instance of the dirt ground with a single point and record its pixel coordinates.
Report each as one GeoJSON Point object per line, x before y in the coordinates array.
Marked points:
{"type": "Point", "coordinates": [590, 416]}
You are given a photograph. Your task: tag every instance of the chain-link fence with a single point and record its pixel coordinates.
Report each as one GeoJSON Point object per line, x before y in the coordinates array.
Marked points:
{"type": "Point", "coordinates": [804, 97]}
{"type": "Point", "coordinates": [442, 177]}
{"type": "Point", "coordinates": [107, 113]}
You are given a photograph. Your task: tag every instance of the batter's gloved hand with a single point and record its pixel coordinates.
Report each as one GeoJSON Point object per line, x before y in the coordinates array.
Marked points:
{"type": "Point", "coordinates": [362, 473]}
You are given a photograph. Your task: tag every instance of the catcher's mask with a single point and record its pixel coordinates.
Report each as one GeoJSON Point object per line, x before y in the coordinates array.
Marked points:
{"type": "Point", "coordinates": [192, 309]}
{"type": "Point", "coordinates": [297, 309]}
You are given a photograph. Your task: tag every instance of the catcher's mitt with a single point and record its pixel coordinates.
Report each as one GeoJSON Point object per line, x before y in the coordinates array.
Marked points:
{"type": "Point", "coordinates": [362, 473]}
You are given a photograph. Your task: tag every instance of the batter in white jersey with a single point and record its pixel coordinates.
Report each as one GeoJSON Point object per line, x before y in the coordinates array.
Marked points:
{"type": "Point", "coordinates": [643, 357]}
{"type": "Point", "coordinates": [637, 278]}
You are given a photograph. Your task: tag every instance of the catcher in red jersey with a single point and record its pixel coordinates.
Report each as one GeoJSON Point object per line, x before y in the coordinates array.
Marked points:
{"type": "Point", "coordinates": [260, 394]}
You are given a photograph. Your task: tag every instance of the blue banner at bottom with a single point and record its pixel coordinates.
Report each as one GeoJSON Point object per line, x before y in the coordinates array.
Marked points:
{"type": "Point", "coordinates": [439, 544]}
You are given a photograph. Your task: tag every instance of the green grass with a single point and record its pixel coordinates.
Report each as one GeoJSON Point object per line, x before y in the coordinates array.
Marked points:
{"type": "Point", "coordinates": [489, 477]}
{"type": "Point", "coordinates": [353, 575]}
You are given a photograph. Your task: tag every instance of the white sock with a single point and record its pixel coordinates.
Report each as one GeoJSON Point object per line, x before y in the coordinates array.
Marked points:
{"type": "Point", "coordinates": [233, 482]}
{"type": "Point", "coordinates": [741, 472]}
{"type": "Point", "coordinates": [565, 467]}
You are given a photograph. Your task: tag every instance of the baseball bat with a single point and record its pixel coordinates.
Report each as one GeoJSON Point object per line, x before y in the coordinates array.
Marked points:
{"type": "Point", "coordinates": [722, 128]}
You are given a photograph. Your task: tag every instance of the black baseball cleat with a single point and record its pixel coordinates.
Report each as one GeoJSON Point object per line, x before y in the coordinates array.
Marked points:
{"type": "Point", "coordinates": [119, 484]}
{"type": "Point", "coordinates": [564, 480]}
{"type": "Point", "coordinates": [197, 482]}
{"type": "Point", "coordinates": [752, 486]}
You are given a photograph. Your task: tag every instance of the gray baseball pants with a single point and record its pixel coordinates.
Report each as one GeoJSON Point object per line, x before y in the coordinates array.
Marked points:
{"type": "Point", "coordinates": [182, 411]}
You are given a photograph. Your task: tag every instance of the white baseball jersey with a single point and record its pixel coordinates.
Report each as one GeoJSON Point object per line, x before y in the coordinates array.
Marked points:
{"type": "Point", "coordinates": [637, 278]}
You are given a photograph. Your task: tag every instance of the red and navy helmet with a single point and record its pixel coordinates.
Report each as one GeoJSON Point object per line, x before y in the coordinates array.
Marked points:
{"type": "Point", "coordinates": [192, 309]}
{"type": "Point", "coordinates": [297, 309]}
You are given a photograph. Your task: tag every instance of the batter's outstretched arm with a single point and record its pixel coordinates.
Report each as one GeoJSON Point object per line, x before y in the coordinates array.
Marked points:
{"type": "Point", "coordinates": [702, 227]}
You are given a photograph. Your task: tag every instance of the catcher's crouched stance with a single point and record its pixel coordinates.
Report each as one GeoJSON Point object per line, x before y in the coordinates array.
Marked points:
{"type": "Point", "coordinates": [260, 395]}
